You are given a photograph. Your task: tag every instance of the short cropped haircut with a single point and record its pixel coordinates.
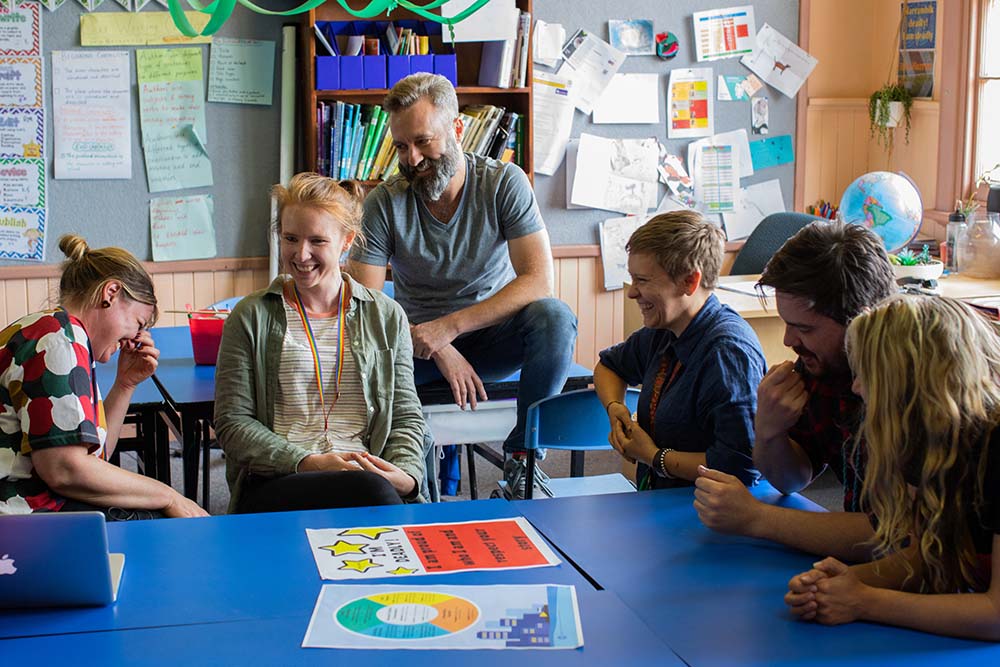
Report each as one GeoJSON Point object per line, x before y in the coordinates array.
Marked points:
{"type": "Point", "coordinates": [840, 269]}
{"type": "Point", "coordinates": [341, 199]}
{"type": "Point", "coordinates": [682, 242]}
{"type": "Point", "coordinates": [411, 89]}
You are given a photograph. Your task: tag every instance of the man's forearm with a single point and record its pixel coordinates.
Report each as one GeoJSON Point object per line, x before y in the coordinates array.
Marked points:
{"type": "Point", "coordinates": [503, 305]}
{"type": "Point", "coordinates": [784, 464]}
{"type": "Point", "coordinates": [842, 535]}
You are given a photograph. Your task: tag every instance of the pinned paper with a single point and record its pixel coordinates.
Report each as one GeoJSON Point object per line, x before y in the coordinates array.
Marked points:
{"type": "Point", "coordinates": [716, 177]}
{"type": "Point", "coordinates": [241, 71]}
{"type": "Point", "coordinates": [21, 82]}
{"type": "Point", "coordinates": [630, 98]}
{"type": "Point", "coordinates": [182, 227]}
{"type": "Point", "coordinates": [92, 114]}
{"type": "Point", "coordinates": [21, 31]}
{"type": "Point", "coordinates": [494, 21]}
{"type": "Point", "coordinates": [772, 152]}
{"type": "Point", "coordinates": [779, 61]}
{"type": "Point", "coordinates": [614, 235]}
{"type": "Point", "coordinates": [724, 33]}
{"type": "Point", "coordinates": [756, 202]}
{"type": "Point", "coordinates": [616, 174]}
{"type": "Point", "coordinates": [690, 108]}
{"type": "Point", "coordinates": [590, 63]}
{"type": "Point", "coordinates": [548, 40]}
{"type": "Point", "coordinates": [759, 115]}
{"type": "Point", "coordinates": [90, 5]}
{"type": "Point", "coordinates": [22, 183]}
{"type": "Point", "coordinates": [176, 159]}
{"type": "Point", "coordinates": [633, 37]}
{"type": "Point", "coordinates": [22, 133]}
{"type": "Point", "coordinates": [552, 120]}
{"type": "Point", "coordinates": [572, 151]}
{"type": "Point", "coordinates": [673, 173]}
{"type": "Point", "coordinates": [740, 142]}
{"type": "Point", "coordinates": [22, 233]}
{"type": "Point", "coordinates": [132, 29]}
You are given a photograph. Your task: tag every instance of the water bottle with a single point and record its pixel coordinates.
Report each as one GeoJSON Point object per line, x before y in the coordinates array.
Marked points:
{"type": "Point", "coordinates": [956, 227]}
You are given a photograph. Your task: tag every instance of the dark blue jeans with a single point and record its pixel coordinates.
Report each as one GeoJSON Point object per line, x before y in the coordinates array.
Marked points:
{"type": "Point", "coordinates": [539, 339]}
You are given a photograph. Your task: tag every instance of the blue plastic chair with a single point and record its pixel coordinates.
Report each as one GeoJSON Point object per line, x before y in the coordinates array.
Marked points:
{"type": "Point", "coordinates": [765, 239]}
{"type": "Point", "coordinates": [225, 304]}
{"type": "Point", "coordinates": [576, 421]}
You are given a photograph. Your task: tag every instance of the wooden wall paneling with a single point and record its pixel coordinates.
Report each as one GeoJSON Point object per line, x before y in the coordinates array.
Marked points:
{"type": "Point", "coordinates": [859, 142]}
{"type": "Point", "coordinates": [183, 294]}
{"type": "Point", "coordinates": [37, 294]}
{"type": "Point", "coordinates": [811, 172]}
{"type": "Point", "coordinates": [224, 285]}
{"type": "Point", "coordinates": [163, 285]}
{"type": "Point", "coordinates": [243, 282]}
{"type": "Point", "coordinates": [828, 155]}
{"type": "Point", "coordinates": [567, 288]}
{"type": "Point", "coordinates": [17, 299]}
{"type": "Point", "coordinates": [204, 288]}
{"type": "Point", "coordinates": [586, 313]}
{"type": "Point", "coordinates": [846, 127]}
{"type": "Point", "coordinates": [261, 278]}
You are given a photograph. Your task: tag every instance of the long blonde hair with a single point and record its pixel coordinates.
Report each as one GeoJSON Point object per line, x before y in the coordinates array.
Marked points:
{"type": "Point", "coordinates": [930, 367]}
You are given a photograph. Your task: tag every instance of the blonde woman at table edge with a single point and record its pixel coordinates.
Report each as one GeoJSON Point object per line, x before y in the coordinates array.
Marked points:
{"type": "Point", "coordinates": [928, 369]}
{"type": "Point", "coordinates": [54, 441]}
{"type": "Point", "coordinates": [315, 404]}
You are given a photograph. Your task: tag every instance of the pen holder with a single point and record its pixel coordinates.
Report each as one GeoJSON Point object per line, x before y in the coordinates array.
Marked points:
{"type": "Point", "coordinates": [206, 334]}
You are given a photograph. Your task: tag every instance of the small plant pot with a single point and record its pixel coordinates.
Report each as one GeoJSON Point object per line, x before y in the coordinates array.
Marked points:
{"type": "Point", "coordinates": [895, 114]}
{"type": "Point", "coordinates": [930, 271]}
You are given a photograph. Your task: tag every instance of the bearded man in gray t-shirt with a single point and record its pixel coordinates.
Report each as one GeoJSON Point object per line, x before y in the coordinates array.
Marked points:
{"type": "Point", "coordinates": [471, 262]}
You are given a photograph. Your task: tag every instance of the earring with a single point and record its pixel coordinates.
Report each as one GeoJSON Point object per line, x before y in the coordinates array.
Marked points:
{"type": "Point", "coordinates": [105, 304]}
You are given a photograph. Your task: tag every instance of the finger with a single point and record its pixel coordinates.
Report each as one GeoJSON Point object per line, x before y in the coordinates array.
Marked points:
{"type": "Point", "coordinates": [480, 389]}
{"type": "Point", "coordinates": [456, 392]}
{"type": "Point", "coordinates": [715, 475]}
{"type": "Point", "coordinates": [831, 566]}
{"type": "Point", "coordinates": [472, 390]}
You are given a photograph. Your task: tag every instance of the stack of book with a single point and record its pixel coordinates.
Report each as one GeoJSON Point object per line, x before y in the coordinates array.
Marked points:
{"type": "Point", "coordinates": [493, 132]}
{"type": "Point", "coordinates": [354, 141]}
{"type": "Point", "coordinates": [405, 42]}
{"type": "Point", "coordinates": [504, 63]}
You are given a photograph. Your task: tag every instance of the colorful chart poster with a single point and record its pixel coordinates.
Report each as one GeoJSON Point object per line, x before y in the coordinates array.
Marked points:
{"type": "Point", "coordinates": [716, 179]}
{"type": "Point", "coordinates": [241, 71]}
{"type": "Point", "coordinates": [779, 61]}
{"type": "Point", "coordinates": [182, 227]}
{"type": "Point", "coordinates": [538, 616]}
{"type": "Point", "coordinates": [690, 108]}
{"type": "Point", "coordinates": [919, 27]}
{"type": "Point", "coordinates": [92, 119]}
{"type": "Point", "coordinates": [22, 183]}
{"type": "Point", "coordinates": [374, 552]}
{"type": "Point", "coordinates": [22, 132]}
{"type": "Point", "coordinates": [21, 31]}
{"type": "Point", "coordinates": [724, 33]}
{"type": "Point", "coordinates": [22, 233]}
{"type": "Point", "coordinates": [21, 82]}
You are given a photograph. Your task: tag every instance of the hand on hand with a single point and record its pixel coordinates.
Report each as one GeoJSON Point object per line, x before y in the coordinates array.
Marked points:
{"type": "Point", "coordinates": [430, 337]}
{"type": "Point", "coordinates": [331, 462]}
{"type": "Point", "coordinates": [137, 360]}
{"type": "Point", "coordinates": [401, 481]}
{"type": "Point", "coordinates": [723, 502]}
{"type": "Point", "coordinates": [633, 444]}
{"type": "Point", "coordinates": [458, 372]}
{"type": "Point", "coordinates": [618, 415]}
{"type": "Point", "coordinates": [830, 594]}
{"type": "Point", "coordinates": [181, 507]}
{"type": "Point", "coordinates": [781, 397]}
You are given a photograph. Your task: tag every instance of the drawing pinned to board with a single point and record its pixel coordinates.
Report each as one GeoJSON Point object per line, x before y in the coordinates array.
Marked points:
{"type": "Point", "coordinates": [589, 63]}
{"type": "Point", "coordinates": [724, 33]}
{"type": "Point", "coordinates": [614, 235]}
{"type": "Point", "coordinates": [673, 173]}
{"type": "Point", "coordinates": [182, 227]}
{"type": "Point", "coordinates": [757, 201]}
{"type": "Point", "coordinates": [759, 115]}
{"type": "Point", "coordinates": [690, 108]}
{"type": "Point", "coordinates": [779, 61]}
{"type": "Point", "coordinates": [619, 174]}
{"type": "Point", "coordinates": [633, 37]}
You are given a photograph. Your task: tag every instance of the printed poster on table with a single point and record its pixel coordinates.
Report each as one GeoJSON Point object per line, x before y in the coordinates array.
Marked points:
{"type": "Point", "coordinates": [241, 71]}
{"type": "Point", "coordinates": [537, 616]}
{"type": "Point", "coordinates": [724, 33]}
{"type": "Point", "coordinates": [182, 227]}
{"type": "Point", "coordinates": [374, 552]}
{"type": "Point", "coordinates": [92, 117]}
{"type": "Point", "coordinates": [690, 108]}
{"type": "Point", "coordinates": [21, 31]}
{"type": "Point", "coordinates": [779, 61]}
{"type": "Point", "coordinates": [172, 117]}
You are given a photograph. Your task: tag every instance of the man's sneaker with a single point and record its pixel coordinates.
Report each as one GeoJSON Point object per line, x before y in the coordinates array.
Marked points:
{"type": "Point", "coordinates": [515, 474]}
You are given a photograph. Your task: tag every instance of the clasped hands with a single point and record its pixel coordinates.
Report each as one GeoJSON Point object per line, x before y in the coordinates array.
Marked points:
{"type": "Point", "coordinates": [830, 594]}
{"type": "Point", "coordinates": [353, 461]}
{"type": "Point", "coordinates": [627, 437]}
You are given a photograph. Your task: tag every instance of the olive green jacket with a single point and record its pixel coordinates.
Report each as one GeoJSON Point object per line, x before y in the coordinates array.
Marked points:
{"type": "Point", "coordinates": [246, 384]}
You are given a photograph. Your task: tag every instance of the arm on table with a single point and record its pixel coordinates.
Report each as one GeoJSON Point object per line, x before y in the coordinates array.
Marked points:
{"type": "Point", "coordinates": [841, 596]}
{"type": "Point", "coordinates": [71, 472]}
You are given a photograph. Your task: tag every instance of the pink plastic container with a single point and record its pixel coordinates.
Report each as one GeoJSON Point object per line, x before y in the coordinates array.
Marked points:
{"type": "Point", "coordinates": [206, 334]}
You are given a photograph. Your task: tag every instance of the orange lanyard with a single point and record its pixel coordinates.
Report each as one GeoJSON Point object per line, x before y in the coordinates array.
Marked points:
{"type": "Point", "coordinates": [661, 385]}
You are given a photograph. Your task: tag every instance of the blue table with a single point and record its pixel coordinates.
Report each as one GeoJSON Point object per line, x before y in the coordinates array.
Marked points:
{"type": "Point", "coordinates": [241, 588]}
{"type": "Point", "coordinates": [144, 412]}
{"type": "Point", "coordinates": [717, 599]}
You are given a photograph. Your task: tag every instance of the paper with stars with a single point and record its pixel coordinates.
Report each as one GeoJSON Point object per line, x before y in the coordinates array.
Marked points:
{"type": "Point", "coordinates": [380, 552]}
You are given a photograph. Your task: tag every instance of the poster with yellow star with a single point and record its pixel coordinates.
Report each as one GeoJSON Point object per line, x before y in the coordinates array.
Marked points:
{"type": "Point", "coordinates": [379, 552]}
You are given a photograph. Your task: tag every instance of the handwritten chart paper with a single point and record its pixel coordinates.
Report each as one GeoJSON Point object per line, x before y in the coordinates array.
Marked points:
{"type": "Point", "coordinates": [92, 115]}
{"type": "Point", "coordinates": [241, 71]}
{"type": "Point", "coordinates": [376, 552]}
{"type": "Point", "coordinates": [172, 116]}
{"type": "Point", "coordinates": [20, 31]}
{"type": "Point", "coordinates": [538, 616]}
{"type": "Point", "coordinates": [182, 227]}
{"type": "Point", "coordinates": [147, 29]}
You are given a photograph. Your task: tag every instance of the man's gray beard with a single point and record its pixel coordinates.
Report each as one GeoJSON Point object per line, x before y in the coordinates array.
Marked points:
{"type": "Point", "coordinates": [431, 184]}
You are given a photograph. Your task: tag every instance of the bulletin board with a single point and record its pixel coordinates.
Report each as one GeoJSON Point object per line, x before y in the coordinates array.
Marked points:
{"type": "Point", "coordinates": [580, 226]}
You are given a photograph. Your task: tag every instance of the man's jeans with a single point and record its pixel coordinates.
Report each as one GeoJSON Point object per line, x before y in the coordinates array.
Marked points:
{"type": "Point", "coordinates": [539, 339]}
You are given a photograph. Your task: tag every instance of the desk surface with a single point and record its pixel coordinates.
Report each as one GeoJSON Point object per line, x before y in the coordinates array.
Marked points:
{"type": "Point", "coordinates": [716, 599]}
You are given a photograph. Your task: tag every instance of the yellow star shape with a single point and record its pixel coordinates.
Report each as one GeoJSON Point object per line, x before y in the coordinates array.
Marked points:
{"type": "Point", "coordinates": [370, 533]}
{"type": "Point", "coordinates": [359, 565]}
{"type": "Point", "coordinates": [342, 547]}
{"type": "Point", "coordinates": [402, 570]}
{"type": "Point", "coordinates": [32, 150]}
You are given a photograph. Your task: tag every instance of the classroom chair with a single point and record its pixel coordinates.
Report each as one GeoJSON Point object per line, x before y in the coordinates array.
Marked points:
{"type": "Point", "coordinates": [764, 241]}
{"type": "Point", "coordinates": [575, 421]}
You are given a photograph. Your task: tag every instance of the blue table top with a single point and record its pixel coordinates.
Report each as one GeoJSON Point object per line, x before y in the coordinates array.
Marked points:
{"type": "Point", "coordinates": [145, 394]}
{"type": "Point", "coordinates": [717, 599]}
{"type": "Point", "coordinates": [246, 567]}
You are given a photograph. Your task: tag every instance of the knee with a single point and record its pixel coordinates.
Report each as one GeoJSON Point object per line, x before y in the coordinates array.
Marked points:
{"type": "Point", "coordinates": [553, 317]}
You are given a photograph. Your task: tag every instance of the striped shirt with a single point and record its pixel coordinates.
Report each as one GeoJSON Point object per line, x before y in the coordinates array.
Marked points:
{"type": "Point", "coordinates": [298, 413]}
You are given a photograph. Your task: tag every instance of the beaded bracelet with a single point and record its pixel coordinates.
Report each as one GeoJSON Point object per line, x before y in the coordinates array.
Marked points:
{"type": "Point", "coordinates": [660, 461]}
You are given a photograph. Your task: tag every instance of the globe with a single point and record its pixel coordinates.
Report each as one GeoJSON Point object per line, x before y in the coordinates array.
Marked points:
{"type": "Point", "coordinates": [888, 204]}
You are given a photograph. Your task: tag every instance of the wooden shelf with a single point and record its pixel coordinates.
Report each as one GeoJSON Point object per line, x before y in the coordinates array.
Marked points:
{"type": "Point", "coordinates": [518, 100]}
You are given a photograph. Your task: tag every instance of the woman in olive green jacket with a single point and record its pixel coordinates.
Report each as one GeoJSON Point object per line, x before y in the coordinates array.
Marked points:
{"type": "Point", "coordinates": [315, 404]}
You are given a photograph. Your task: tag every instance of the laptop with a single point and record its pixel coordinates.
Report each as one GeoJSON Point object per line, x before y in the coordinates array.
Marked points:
{"type": "Point", "coordinates": [57, 559]}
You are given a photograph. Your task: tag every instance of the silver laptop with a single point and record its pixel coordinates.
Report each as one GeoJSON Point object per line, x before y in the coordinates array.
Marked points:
{"type": "Point", "coordinates": [57, 559]}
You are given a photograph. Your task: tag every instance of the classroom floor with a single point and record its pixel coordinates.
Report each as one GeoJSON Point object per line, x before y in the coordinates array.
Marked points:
{"type": "Point", "coordinates": [825, 491]}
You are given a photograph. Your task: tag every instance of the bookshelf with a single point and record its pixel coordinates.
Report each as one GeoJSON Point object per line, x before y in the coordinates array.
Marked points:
{"type": "Point", "coordinates": [468, 56]}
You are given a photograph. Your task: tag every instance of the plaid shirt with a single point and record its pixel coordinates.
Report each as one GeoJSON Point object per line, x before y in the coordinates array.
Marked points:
{"type": "Point", "coordinates": [826, 430]}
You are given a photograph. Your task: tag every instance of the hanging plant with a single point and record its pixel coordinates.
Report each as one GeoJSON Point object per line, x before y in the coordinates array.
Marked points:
{"type": "Point", "coordinates": [880, 114]}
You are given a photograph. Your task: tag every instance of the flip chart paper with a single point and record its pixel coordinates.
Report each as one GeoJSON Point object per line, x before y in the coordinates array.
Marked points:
{"type": "Point", "coordinates": [138, 29]}
{"type": "Point", "coordinates": [175, 160]}
{"type": "Point", "coordinates": [182, 227]}
{"type": "Point", "coordinates": [241, 71]}
{"type": "Point", "coordinates": [92, 117]}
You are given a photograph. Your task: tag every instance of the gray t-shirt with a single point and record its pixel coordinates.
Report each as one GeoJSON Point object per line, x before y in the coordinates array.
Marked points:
{"type": "Point", "coordinates": [440, 267]}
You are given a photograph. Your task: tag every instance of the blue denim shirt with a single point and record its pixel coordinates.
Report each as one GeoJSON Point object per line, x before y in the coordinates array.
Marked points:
{"type": "Point", "coordinates": [710, 406]}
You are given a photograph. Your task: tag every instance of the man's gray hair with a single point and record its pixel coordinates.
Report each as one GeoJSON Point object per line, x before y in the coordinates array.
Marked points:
{"type": "Point", "coordinates": [436, 88]}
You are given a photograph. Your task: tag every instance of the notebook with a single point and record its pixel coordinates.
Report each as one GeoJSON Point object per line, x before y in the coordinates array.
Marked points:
{"type": "Point", "coordinates": [57, 559]}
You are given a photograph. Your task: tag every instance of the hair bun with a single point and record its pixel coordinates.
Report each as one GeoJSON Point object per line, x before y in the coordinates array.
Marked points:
{"type": "Point", "coordinates": [353, 188]}
{"type": "Point", "coordinates": [73, 246]}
